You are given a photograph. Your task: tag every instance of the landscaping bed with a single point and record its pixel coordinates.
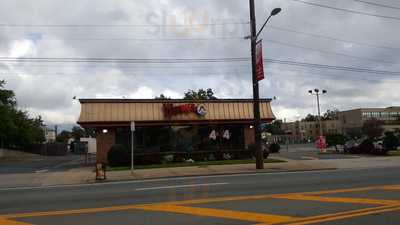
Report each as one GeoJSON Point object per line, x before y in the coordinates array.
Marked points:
{"type": "Point", "coordinates": [188, 164]}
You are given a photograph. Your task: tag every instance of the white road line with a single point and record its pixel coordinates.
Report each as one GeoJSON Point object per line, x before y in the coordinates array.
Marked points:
{"type": "Point", "coordinates": [174, 179]}
{"type": "Point", "coordinates": [179, 186]}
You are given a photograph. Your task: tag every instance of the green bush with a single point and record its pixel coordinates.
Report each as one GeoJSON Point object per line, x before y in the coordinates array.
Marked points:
{"type": "Point", "coordinates": [252, 150]}
{"type": "Point", "coordinates": [390, 141]}
{"type": "Point", "coordinates": [274, 148]}
{"type": "Point", "coordinates": [367, 146]}
{"type": "Point", "coordinates": [118, 156]}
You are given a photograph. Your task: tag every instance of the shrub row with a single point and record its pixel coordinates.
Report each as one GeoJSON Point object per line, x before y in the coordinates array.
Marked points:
{"type": "Point", "coordinates": [121, 156]}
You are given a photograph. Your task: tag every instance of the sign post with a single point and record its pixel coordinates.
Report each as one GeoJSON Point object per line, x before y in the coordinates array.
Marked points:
{"type": "Point", "coordinates": [321, 144]}
{"type": "Point", "coordinates": [132, 144]}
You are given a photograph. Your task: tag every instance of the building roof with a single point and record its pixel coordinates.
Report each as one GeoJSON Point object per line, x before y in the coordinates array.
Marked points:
{"type": "Point", "coordinates": [151, 110]}
{"type": "Point", "coordinates": [106, 100]}
{"type": "Point", "coordinates": [390, 109]}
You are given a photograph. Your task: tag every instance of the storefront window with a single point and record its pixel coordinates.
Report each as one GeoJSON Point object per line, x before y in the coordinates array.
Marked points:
{"type": "Point", "coordinates": [184, 138]}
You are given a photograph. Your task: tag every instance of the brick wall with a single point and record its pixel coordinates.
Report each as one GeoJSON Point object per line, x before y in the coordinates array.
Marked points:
{"type": "Point", "coordinates": [104, 143]}
{"type": "Point", "coordinates": [248, 136]}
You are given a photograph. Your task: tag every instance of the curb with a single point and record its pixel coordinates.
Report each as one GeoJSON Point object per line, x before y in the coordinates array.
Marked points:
{"type": "Point", "coordinates": [210, 175]}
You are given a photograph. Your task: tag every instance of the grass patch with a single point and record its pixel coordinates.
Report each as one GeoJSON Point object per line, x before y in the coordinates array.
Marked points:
{"type": "Point", "coordinates": [394, 153]}
{"type": "Point", "coordinates": [206, 163]}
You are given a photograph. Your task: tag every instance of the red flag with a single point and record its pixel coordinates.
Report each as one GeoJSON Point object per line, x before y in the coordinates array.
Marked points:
{"type": "Point", "coordinates": [259, 61]}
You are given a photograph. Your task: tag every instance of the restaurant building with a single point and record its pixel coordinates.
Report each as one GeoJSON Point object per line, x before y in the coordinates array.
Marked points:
{"type": "Point", "coordinates": [172, 125]}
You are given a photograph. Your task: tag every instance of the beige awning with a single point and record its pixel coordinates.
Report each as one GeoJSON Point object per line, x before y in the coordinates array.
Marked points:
{"type": "Point", "coordinates": [103, 111]}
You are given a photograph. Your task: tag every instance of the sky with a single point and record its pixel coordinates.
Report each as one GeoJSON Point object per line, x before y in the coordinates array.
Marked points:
{"type": "Point", "coordinates": [206, 29]}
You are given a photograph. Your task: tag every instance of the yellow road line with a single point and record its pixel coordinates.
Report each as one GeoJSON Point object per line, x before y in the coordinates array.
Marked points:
{"type": "Point", "coordinates": [219, 199]}
{"type": "Point", "coordinates": [69, 212]}
{"type": "Point", "coordinates": [341, 216]}
{"type": "Point", "coordinates": [391, 188]}
{"type": "Point", "coordinates": [257, 197]}
{"type": "Point", "coordinates": [219, 213]}
{"type": "Point", "coordinates": [337, 199]}
{"type": "Point", "coordinates": [337, 191]}
{"type": "Point", "coordinates": [309, 196]}
{"type": "Point", "coordinates": [12, 222]}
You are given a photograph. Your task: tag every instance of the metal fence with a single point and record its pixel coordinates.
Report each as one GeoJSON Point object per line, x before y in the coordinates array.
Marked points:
{"type": "Point", "coordinates": [50, 149]}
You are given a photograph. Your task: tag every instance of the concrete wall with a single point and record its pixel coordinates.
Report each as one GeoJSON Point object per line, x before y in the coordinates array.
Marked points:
{"type": "Point", "coordinates": [351, 119]}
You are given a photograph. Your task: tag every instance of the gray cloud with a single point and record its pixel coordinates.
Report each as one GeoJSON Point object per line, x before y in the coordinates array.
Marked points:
{"type": "Point", "coordinates": [48, 89]}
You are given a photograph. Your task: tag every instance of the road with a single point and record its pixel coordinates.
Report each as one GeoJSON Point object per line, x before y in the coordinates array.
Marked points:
{"type": "Point", "coordinates": [327, 197]}
{"type": "Point", "coordinates": [308, 152]}
{"type": "Point", "coordinates": [37, 163]}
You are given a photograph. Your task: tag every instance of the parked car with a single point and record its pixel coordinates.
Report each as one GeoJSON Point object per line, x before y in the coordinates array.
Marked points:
{"type": "Point", "coordinates": [352, 146]}
{"type": "Point", "coordinates": [364, 146]}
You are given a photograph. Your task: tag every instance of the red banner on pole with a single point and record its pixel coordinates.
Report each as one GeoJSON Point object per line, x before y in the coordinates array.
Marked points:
{"type": "Point", "coordinates": [259, 61]}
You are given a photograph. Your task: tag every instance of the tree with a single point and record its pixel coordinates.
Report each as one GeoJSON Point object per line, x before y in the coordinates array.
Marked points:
{"type": "Point", "coordinates": [390, 141]}
{"type": "Point", "coordinates": [310, 118]}
{"type": "Point", "coordinates": [331, 115]}
{"type": "Point", "coordinates": [353, 133]}
{"type": "Point", "coordinates": [78, 132]}
{"type": "Point", "coordinates": [274, 128]}
{"type": "Point", "coordinates": [162, 97]}
{"type": "Point", "coordinates": [63, 136]}
{"type": "Point", "coordinates": [201, 94]}
{"type": "Point", "coordinates": [16, 128]}
{"type": "Point", "coordinates": [373, 128]}
{"type": "Point", "coordinates": [7, 97]}
{"type": "Point", "coordinates": [335, 140]}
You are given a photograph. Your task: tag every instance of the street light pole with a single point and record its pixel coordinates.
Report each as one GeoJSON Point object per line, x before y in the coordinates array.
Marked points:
{"type": "Point", "coordinates": [256, 95]}
{"type": "Point", "coordinates": [317, 93]}
{"type": "Point", "coordinates": [319, 116]}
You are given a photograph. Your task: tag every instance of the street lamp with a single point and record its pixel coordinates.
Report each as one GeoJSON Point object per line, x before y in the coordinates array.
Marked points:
{"type": "Point", "coordinates": [317, 93]}
{"type": "Point", "coordinates": [256, 95]}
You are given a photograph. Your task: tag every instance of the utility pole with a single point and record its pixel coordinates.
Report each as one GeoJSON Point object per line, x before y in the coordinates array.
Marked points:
{"type": "Point", "coordinates": [56, 130]}
{"type": "Point", "coordinates": [133, 128]}
{"type": "Point", "coordinates": [256, 95]}
{"type": "Point", "coordinates": [319, 116]}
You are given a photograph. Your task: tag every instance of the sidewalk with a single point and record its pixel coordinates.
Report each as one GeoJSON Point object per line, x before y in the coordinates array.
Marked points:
{"type": "Point", "coordinates": [7, 155]}
{"type": "Point", "coordinates": [292, 165]}
{"type": "Point", "coordinates": [86, 175]}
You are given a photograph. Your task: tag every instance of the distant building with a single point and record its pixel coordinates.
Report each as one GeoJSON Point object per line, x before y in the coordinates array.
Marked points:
{"type": "Point", "coordinates": [350, 121]}
{"type": "Point", "coordinates": [305, 130]}
{"type": "Point", "coordinates": [353, 120]}
{"type": "Point", "coordinates": [49, 134]}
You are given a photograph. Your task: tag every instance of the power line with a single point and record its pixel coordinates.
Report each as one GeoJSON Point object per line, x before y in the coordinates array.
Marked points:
{"type": "Point", "coordinates": [332, 38]}
{"type": "Point", "coordinates": [192, 60]}
{"type": "Point", "coordinates": [122, 60]}
{"type": "Point", "coordinates": [328, 52]}
{"type": "Point", "coordinates": [330, 67]}
{"type": "Point", "coordinates": [138, 39]}
{"type": "Point", "coordinates": [343, 75]}
{"type": "Point", "coordinates": [348, 10]}
{"type": "Point", "coordinates": [300, 73]}
{"type": "Point", "coordinates": [378, 4]}
{"type": "Point", "coordinates": [117, 25]}
{"type": "Point", "coordinates": [336, 76]}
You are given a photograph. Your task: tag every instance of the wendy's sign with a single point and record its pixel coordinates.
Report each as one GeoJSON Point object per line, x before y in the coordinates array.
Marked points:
{"type": "Point", "coordinates": [170, 110]}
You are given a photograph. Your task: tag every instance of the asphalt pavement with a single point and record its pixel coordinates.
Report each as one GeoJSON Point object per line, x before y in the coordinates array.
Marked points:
{"type": "Point", "coordinates": [309, 152]}
{"type": "Point", "coordinates": [353, 196]}
{"type": "Point", "coordinates": [32, 163]}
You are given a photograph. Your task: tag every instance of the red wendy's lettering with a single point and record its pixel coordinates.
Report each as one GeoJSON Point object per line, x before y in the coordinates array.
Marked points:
{"type": "Point", "coordinates": [171, 110]}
